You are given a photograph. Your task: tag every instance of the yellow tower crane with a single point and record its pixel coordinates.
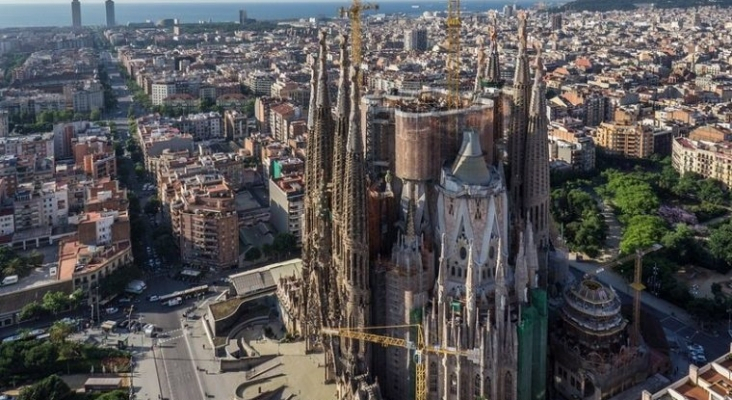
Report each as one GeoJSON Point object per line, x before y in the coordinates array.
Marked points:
{"type": "Point", "coordinates": [637, 285]}
{"type": "Point", "coordinates": [454, 23]}
{"type": "Point", "coordinates": [420, 349]}
{"type": "Point", "coordinates": [354, 15]}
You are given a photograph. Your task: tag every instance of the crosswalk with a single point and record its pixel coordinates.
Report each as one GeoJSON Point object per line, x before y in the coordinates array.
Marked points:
{"type": "Point", "coordinates": [170, 335]}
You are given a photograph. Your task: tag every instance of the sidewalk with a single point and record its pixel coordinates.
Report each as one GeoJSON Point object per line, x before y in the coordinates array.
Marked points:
{"type": "Point", "coordinates": [144, 375]}
{"type": "Point", "coordinates": [619, 283]}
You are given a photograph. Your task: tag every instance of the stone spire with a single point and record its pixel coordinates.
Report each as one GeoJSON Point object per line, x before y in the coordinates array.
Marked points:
{"type": "Point", "coordinates": [341, 135]}
{"type": "Point", "coordinates": [323, 93]}
{"type": "Point", "coordinates": [521, 276]}
{"type": "Point", "coordinates": [343, 85]}
{"type": "Point", "coordinates": [481, 64]}
{"type": "Point", "coordinates": [536, 160]}
{"type": "Point", "coordinates": [517, 134]}
{"type": "Point", "coordinates": [322, 132]}
{"type": "Point", "coordinates": [470, 165]}
{"type": "Point", "coordinates": [532, 260]}
{"type": "Point", "coordinates": [313, 92]}
{"type": "Point", "coordinates": [470, 284]}
{"type": "Point", "coordinates": [501, 280]}
{"type": "Point", "coordinates": [493, 70]}
{"type": "Point", "coordinates": [355, 236]}
{"type": "Point", "coordinates": [319, 306]}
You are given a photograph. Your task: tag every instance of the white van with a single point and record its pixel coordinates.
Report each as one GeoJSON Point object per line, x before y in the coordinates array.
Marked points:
{"type": "Point", "coordinates": [9, 280]}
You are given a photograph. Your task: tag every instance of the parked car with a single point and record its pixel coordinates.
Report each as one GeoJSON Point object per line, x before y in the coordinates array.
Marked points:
{"type": "Point", "coordinates": [154, 298]}
{"type": "Point", "coordinates": [112, 310]}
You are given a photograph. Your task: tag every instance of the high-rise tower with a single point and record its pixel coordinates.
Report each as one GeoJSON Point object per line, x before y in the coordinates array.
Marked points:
{"type": "Point", "coordinates": [109, 5]}
{"type": "Point", "coordinates": [75, 13]}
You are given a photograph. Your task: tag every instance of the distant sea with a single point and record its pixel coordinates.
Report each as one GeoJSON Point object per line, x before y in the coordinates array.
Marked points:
{"type": "Point", "coordinates": [34, 14]}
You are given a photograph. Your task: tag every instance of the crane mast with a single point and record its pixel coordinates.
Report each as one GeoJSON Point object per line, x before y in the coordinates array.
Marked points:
{"type": "Point", "coordinates": [637, 285]}
{"type": "Point", "coordinates": [454, 23]}
{"type": "Point", "coordinates": [353, 13]}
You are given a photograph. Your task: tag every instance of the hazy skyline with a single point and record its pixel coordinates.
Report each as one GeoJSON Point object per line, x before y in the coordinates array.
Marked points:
{"type": "Point", "coordinates": [230, 1]}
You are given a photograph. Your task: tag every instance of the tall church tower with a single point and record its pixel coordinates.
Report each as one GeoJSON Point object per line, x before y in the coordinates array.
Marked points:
{"type": "Point", "coordinates": [536, 159]}
{"type": "Point", "coordinates": [336, 275]}
{"type": "Point", "coordinates": [517, 133]}
{"type": "Point", "coordinates": [319, 297]}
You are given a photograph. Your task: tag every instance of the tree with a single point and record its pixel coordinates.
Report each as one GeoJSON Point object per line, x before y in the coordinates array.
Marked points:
{"type": "Point", "coordinates": [720, 243]}
{"type": "Point", "coordinates": [59, 331]}
{"type": "Point", "coordinates": [31, 310]}
{"type": "Point", "coordinates": [712, 191]}
{"type": "Point", "coordinates": [253, 254]}
{"type": "Point", "coordinates": [115, 395]}
{"type": "Point", "coordinates": [679, 243]}
{"type": "Point", "coordinates": [95, 115]}
{"type": "Point", "coordinates": [51, 388]}
{"type": "Point", "coordinates": [716, 289]}
{"type": "Point", "coordinates": [55, 302]}
{"type": "Point", "coordinates": [139, 170]}
{"type": "Point", "coordinates": [40, 356]}
{"type": "Point", "coordinates": [284, 244]}
{"type": "Point", "coordinates": [642, 231]}
{"type": "Point", "coordinates": [249, 108]}
{"type": "Point", "coordinates": [152, 206]}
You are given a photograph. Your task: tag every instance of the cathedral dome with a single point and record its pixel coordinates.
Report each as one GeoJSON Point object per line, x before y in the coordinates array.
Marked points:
{"type": "Point", "coordinates": [593, 307]}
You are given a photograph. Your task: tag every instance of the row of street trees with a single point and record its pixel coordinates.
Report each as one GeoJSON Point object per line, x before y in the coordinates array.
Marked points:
{"type": "Point", "coordinates": [52, 303]}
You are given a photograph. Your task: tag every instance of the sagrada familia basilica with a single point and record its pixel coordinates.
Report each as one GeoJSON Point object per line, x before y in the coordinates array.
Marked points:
{"type": "Point", "coordinates": [420, 214]}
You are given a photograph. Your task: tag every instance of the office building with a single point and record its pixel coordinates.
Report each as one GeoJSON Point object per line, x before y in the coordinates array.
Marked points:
{"type": "Point", "coordinates": [415, 40]}
{"type": "Point", "coordinates": [242, 17]}
{"type": "Point", "coordinates": [76, 14]}
{"type": "Point", "coordinates": [109, 5]}
{"type": "Point", "coordinates": [4, 123]}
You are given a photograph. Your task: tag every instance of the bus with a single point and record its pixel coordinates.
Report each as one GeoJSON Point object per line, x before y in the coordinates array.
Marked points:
{"type": "Point", "coordinates": [185, 294]}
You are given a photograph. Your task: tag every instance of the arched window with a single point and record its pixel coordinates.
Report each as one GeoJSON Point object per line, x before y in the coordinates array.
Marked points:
{"type": "Point", "coordinates": [487, 390]}
{"type": "Point", "coordinates": [491, 252]}
{"type": "Point", "coordinates": [452, 272]}
{"type": "Point", "coordinates": [508, 386]}
{"type": "Point", "coordinates": [433, 377]}
{"type": "Point", "coordinates": [476, 386]}
{"type": "Point", "coordinates": [453, 383]}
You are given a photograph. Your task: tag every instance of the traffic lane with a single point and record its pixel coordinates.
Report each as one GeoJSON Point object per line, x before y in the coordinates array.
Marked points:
{"type": "Point", "coordinates": [179, 371]}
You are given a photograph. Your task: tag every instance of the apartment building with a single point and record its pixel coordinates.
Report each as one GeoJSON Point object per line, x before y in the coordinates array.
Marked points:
{"type": "Point", "coordinates": [40, 205]}
{"type": "Point", "coordinates": [631, 140]}
{"type": "Point", "coordinates": [712, 381]}
{"type": "Point", "coordinates": [204, 220]}
{"type": "Point", "coordinates": [95, 156]}
{"type": "Point", "coordinates": [161, 90]}
{"type": "Point", "coordinates": [287, 203]}
{"type": "Point", "coordinates": [202, 126]}
{"type": "Point", "coordinates": [100, 246]}
{"type": "Point", "coordinates": [708, 159]}
{"type": "Point", "coordinates": [580, 153]}
{"type": "Point", "coordinates": [157, 138]}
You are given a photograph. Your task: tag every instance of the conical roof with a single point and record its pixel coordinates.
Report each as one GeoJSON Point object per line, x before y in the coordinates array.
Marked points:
{"type": "Point", "coordinates": [470, 166]}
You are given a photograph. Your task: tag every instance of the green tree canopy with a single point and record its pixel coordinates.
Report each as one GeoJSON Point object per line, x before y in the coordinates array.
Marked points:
{"type": "Point", "coordinates": [31, 310]}
{"type": "Point", "coordinates": [51, 388]}
{"type": "Point", "coordinates": [642, 231]}
{"type": "Point", "coordinates": [55, 302]}
{"type": "Point", "coordinates": [59, 331]}
{"type": "Point", "coordinates": [720, 243]}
